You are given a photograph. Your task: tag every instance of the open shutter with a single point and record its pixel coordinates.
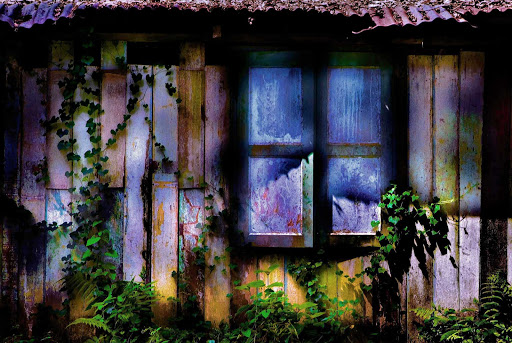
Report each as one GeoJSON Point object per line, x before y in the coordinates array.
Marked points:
{"type": "Point", "coordinates": [354, 139]}
{"type": "Point", "coordinates": [277, 130]}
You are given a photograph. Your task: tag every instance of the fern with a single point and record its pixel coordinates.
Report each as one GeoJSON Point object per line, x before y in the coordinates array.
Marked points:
{"type": "Point", "coordinates": [78, 285]}
{"type": "Point", "coordinates": [424, 313]}
{"type": "Point", "coordinates": [93, 322]}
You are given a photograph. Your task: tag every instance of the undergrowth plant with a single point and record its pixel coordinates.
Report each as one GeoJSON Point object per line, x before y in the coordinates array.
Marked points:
{"type": "Point", "coordinates": [491, 323]}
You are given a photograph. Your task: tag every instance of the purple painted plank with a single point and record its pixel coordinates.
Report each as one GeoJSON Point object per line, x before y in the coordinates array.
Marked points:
{"type": "Point", "coordinates": [354, 105]}
{"type": "Point", "coordinates": [275, 106]}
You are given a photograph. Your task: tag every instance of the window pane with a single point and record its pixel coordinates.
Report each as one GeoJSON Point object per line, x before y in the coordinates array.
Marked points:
{"type": "Point", "coordinates": [354, 105]}
{"type": "Point", "coordinates": [275, 106]}
{"type": "Point", "coordinates": [354, 187]}
{"type": "Point", "coordinates": [276, 196]}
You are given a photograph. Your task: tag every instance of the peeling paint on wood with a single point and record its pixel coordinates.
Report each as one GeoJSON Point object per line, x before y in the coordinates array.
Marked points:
{"type": "Point", "coordinates": [113, 102]}
{"type": "Point", "coordinates": [446, 181]}
{"type": "Point", "coordinates": [137, 160]}
{"type": "Point", "coordinates": [12, 130]}
{"type": "Point", "coordinates": [420, 293]}
{"type": "Point", "coordinates": [165, 116]}
{"type": "Point", "coordinates": [470, 166]}
{"type": "Point", "coordinates": [191, 220]}
{"type": "Point", "coordinates": [164, 259]}
{"type": "Point", "coordinates": [218, 283]}
{"type": "Point", "coordinates": [191, 128]}
{"type": "Point", "coordinates": [192, 56]}
{"type": "Point", "coordinates": [32, 192]}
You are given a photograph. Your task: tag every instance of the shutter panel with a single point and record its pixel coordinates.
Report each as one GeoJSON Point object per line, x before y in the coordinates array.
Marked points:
{"type": "Point", "coordinates": [356, 121]}
{"type": "Point", "coordinates": [277, 130]}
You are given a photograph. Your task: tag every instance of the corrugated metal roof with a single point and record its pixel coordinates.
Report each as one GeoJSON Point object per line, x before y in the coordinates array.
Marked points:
{"type": "Point", "coordinates": [383, 13]}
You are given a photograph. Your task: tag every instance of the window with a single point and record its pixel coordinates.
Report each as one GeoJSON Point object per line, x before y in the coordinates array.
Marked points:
{"type": "Point", "coordinates": [294, 113]}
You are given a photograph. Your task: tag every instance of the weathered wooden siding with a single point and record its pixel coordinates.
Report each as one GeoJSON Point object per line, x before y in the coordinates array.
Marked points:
{"type": "Point", "coordinates": [158, 207]}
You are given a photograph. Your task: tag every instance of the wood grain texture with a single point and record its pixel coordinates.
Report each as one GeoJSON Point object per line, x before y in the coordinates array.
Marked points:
{"type": "Point", "coordinates": [32, 193]}
{"type": "Point", "coordinates": [164, 258]}
{"type": "Point", "coordinates": [192, 56]}
{"type": "Point", "coordinates": [113, 102]}
{"type": "Point", "coordinates": [348, 287]}
{"type": "Point", "coordinates": [420, 287]}
{"type": "Point", "coordinates": [446, 181]}
{"type": "Point", "coordinates": [165, 117]}
{"type": "Point", "coordinates": [191, 220]}
{"type": "Point", "coordinates": [277, 275]}
{"type": "Point", "coordinates": [191, 128]}
{"type": "Point", "coordinates": [56, 248]}
{"type": "Point", "coordinates": [470, 166]}
{"type": "Point", "coordinates": [137, 161]}
{"type": "Point", "coordinates": [112, 53]}
{"type": "Point", "coordinates": [58, 164]}
{"type": "Point", "coordinates": [244, 272]}
{"type": "Point", "coordinates": [217, 280]}
{"type": "Point", "coordinates": [294, 291]}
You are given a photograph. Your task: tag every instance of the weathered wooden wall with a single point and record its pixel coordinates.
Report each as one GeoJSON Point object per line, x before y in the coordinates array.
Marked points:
{"type": "Point", "coordinates": [445, 159]}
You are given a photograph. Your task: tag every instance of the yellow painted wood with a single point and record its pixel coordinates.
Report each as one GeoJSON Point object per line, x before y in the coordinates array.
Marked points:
{"type": "Point", "coordinates": [349, 288]}
{"type": "Point", "coordinates": [277, 275]}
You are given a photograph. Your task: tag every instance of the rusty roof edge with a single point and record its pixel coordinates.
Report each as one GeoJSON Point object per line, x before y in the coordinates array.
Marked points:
{"type": "Point", "coordinates": [25, 14]}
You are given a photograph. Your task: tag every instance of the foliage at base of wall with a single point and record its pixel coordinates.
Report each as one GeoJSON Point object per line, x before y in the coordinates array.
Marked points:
{"type": "Point", "coordinates": [492, 323]}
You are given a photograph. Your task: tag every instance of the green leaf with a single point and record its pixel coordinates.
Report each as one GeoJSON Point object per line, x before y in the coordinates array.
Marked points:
{"type": "Point", "coordinates": [275, 284]}
{"type": "Point", "coordinates": [86, 254]}
{"type": "Point", "coordinates": [247, 333]}
{"type": "Point", "coordinates": [265, 313]}
{"type": "Point", "coordinates": [92, 240]}
{"type": "Point", "coordinates": [306, 305]}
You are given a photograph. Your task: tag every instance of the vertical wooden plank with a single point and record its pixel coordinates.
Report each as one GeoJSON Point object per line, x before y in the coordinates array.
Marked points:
{"type": "Point", "coordinates": [329, 279]}
{"type": "Point", "coordinates": [113, 212]}
{"type": "Point", "coordinates": [191, 128]}
{"type": "Point", "coordinates": [113, 102]}
{"type": "Point", "coordinates": [164, 258]}
{"type": "Point", "coordinates": [295, 292]}
{"type": "Point", "coordinates": [32, 192]}
{"type": "Point", "coordinates": [81, 118]}
{"type": "Point", "coordinates": [165, 116]}
{"type": "Point", "coordinates": [217, 280]}
{"type": "Point", "coordinates": [348, 290]}
{"type": "Point", "coordinates": [191, 219]}
{"type": "Point", "coordinates": [277, 275]}
{"type": "Point", "coordinates": [446, 181]}
{"type": "Point", "coordinates": [57, 241]}
{"type": "Point", "coordinates": [420, 287]}
{"type": "Point", "coordinates": [137, 160]}
{"type": "Point", "coordinates": [244, 272]}
{"type": "Point", "coordinates": [113, 55]}
{"type": "Point", "coordinates": [192, 56]}
{"type": "Point", "coordinates": [470, 166]}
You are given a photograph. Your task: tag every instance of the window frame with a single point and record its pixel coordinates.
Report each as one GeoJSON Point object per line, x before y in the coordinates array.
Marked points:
{"type": "Point", "coordinates": [314, 70]}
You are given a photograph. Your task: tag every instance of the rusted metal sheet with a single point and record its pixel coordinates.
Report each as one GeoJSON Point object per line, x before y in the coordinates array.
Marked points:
{"type": "Point", "coordinates": [420, 79]}
{"type": "Point", "coordinates": [354, 104]}
{"type": "Point", "coordinates": [165, 117]}
{"type": "Point", "coordinates": [164, 257]}
{"type": "Point", "coordinates": [80, 130]}
{"type": "Point", "coordinates": [374, 13]}
{"type": "Point", "coordinates": [32, 192]}
{"type": "Point", "coordinates": [113, 102]}
{"type": "Point", "coordinates": [56, 248]}
{"type": "Point", "coordinates": [446, 180]}
{"type": "Point", "coordinates": [217, 280]}
{"type": "Point", "coordinates": [113, 55]}
{"type": "Point", "coordinates": [136, 164]}
{"type": "Point", "coordinates": [470, 167]}
{"type": "Point", "coordinates": [191, 220]}
{"type": "Point", "coordinates": [275, 106]}
{"type": "Point", "coordinates": [354, 189]}
{"type": "Point", "coordinates": [191, 128]}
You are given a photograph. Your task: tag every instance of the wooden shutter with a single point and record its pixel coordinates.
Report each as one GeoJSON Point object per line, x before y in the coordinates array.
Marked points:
{"type": "Point", "coordinates": [354, 141]}
{"type": "Point", "coordinates": [277, 130]}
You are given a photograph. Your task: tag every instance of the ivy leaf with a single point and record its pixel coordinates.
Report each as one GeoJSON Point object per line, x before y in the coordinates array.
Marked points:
{"type": "Point", "coordinates": [265, 313]}
{"type": "Point", "coordinates": [375, 223]}
{"type": "Point", "coordinates": [61, 133]}
{"type": "Point", "coordinates": [86, 254]}
{"type": "Point", "coordinates": [92, 240]}
{"type": "Point", "coordinates": [247, 333]}
{"type": "Point", "coordinates": [73, 157]}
